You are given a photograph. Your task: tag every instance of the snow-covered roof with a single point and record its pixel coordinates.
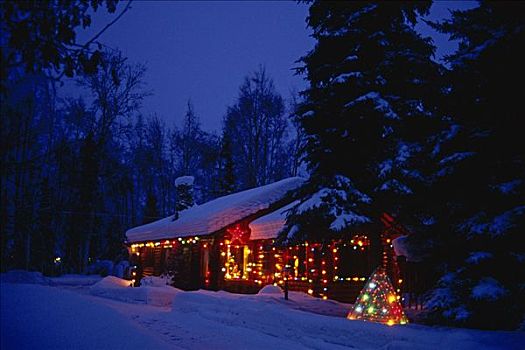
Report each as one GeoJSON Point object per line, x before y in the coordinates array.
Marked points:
{"type": "Point", "coordinates": [215, 215]}
{"type": "Point", "coordinates": [269, 226]}
{"type": "Point", "coordinates": [401, 249]}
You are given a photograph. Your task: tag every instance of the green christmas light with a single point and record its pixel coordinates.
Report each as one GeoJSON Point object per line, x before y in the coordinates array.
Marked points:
{"type": "Point", "coordinates": [380, 301]}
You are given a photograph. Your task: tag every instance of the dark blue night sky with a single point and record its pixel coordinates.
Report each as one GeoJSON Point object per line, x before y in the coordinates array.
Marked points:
{"type": "Point", "coordinates": [203, 50]}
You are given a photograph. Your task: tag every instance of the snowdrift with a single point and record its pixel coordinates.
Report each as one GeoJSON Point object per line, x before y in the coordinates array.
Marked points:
{"type": "Point", "coordinates": [24, 277]}
{"type": "Point", "coordinates": [43, 317]}
{"type": "Point", "coordinates": [119, 289]}
{"type": "Point", "coordinates": [75, 280]}
{"type": "Point", "coordinates": [271, 289]}
{"type": "Point", "coordinates": [155, 281]}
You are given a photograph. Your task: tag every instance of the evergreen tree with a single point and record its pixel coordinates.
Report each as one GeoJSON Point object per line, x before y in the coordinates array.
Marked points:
{"type": "Point", "coordinates": [44, 245]}
{"type": "Point", "coordinates": [191, 134]}
{"type": "Point", "coordinates": [368, 116]}
{"type": "Point", "coordinates": [479, 190]}
{"type": "Point", "coordinates": [298, 141]}
{"type": "Point", "coordinates": [84, 223]}
{"type": "Point", "coordinates": [226, 168]}
{"type": "Point", "coordinates": [151, 212]}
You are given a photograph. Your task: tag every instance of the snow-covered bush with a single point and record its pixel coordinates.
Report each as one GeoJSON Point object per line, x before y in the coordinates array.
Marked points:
{"type": "Point", "coordinates": [101, 267]}
{"type": "Point", "coordinates": [119, 289]}
{"type": "Point", "coordinates": [119, 270]}
{"type": "Point", "coordinates": [24, 277]}
{"type": "Point", "coordinates": [271, 289]}
{"type": "Point", "coordinates": [156, 281]}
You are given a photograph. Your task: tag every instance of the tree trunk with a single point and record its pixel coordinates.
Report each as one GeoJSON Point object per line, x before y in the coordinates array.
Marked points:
{"type": "Point", "coordinates": [85, 255]}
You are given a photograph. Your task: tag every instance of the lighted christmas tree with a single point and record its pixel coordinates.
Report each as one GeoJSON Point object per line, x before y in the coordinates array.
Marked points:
{"type": "Point", "coordinates": [378, 302]}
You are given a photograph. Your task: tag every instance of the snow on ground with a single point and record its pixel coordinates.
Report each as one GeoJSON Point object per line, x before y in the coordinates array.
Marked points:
{"type": "Point", "coordinates": [33, 277]}
{"type": "Point", "coordinates": [44, 317]}
{"type": "Point", "coordinates": [41, 317]}
{"type": "Point", "coordinates": [74, 280]}
{"type": "Point", "coordinates": [118, 289]}
{"type": "Point", "coordinates": [223, 320]}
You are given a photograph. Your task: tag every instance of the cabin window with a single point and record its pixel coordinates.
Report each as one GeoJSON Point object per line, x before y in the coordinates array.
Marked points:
{"type": "Point", "coordinates": [237, 257]}
{"type": "Point", "coordinates": [297, 262]}
{"type": "Point", "coordinates": [353, 258]}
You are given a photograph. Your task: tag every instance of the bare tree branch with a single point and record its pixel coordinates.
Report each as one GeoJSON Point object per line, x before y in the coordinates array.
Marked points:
{"type": "Point", "coordinates": [92, 40]}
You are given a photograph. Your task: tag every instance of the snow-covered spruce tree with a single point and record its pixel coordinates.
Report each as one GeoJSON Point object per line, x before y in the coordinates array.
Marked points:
{"type": "Point", "coordinates": [480, 188]}
{"type": "Point", "coordinates": [367, 116]}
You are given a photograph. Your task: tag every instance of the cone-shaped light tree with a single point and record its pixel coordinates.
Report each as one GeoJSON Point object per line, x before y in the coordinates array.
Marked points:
{"type": "Point", "coordinates": [378, 302]}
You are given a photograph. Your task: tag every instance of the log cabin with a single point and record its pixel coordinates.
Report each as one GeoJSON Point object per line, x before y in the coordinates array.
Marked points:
{"type": "Point", "coordinates": [229, 244]}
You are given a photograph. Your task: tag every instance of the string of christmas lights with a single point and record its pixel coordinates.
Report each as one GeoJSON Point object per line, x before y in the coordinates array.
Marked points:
{"type": "Point", "coordinates": [378, 302]}
{"type": "Point", "coordinates": [312, 267]}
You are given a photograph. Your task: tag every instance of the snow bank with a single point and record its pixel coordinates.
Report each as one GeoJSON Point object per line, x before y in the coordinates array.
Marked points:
{"type": "Point", "coordinates": [112, 282]}
{"type": "Point", "coordinates": [271, 289]}
{"type": "Point", "coordinates": [75, 280]}
{"type": "Point", "coordinates": [43, 317]}
{"type": "Point", "coordinates": [33, 277]}
{"type": "Point", "coordinates": [154, 281]}
{"type": "Point", "coordinates": [24, 277]}
{"type": "Point", "coordinates": [118, 289]}
{"type": "Point", "coordinates": [159, 296]}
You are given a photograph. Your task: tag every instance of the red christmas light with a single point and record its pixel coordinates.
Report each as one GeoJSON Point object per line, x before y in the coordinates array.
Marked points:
{"type": "Point", "coordinates": [378, 302]}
